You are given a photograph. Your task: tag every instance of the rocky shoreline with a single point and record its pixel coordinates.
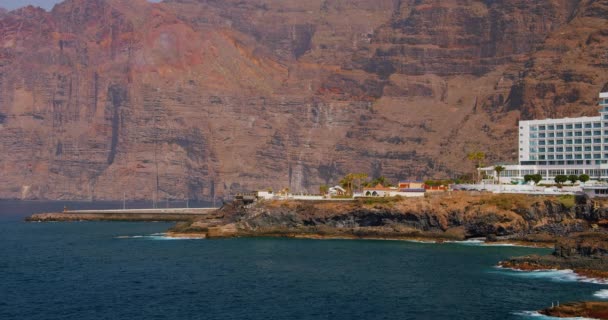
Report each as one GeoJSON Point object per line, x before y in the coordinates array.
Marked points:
{"type": "Point", "coordinates": [460, 216]}
{"type": "Point", "coordinates": [584, 253]}
{"type": "Point", "coordinates": [594, 310]}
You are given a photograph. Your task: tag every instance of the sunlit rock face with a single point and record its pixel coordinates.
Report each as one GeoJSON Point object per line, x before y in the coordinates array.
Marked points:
{"type": "Point", "coordinates": [201, 99]}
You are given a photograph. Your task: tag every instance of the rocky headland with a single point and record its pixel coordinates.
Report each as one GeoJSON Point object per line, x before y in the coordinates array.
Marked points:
{"type": "Point", "coordinates": [540, 220]}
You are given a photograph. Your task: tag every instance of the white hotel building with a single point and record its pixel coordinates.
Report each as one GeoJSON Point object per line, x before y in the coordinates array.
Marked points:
{"type": "Point", "coordinates": [565, 146]}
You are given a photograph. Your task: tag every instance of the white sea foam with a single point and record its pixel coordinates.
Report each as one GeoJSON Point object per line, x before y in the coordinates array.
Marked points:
{"type": "Point", "coordinates": [157, 236]}
{"type": "Point", "coordinates": [483, 243]}
{"type": "Point", "coordinates": [555, 275]}
{"type": "Point", "coordinates": [420, 241]}
{"type": "Point", "coordinates": [602, 294]}
{"type": "Point", "coordinates": [537, 315]}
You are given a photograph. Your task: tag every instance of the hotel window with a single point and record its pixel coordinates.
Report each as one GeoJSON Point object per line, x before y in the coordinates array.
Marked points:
{"type": "Point", "coordinates": [551, 135]}
{"type": "Point", "coordinates": [541, 142]}
{"type": "Point", "coordinates": [578, 156]}
{"type": "Point", "coordinates": [578, 141]}
{"type": "Point", "coordinates": [587, 125]}
{"type": "Point", "coordinates": [606, 117]}
{"type": "Point", "coordinates": [550, 157]}
{"type": "Point", "coordinates": [533, 135]}
{"type": "Point", "coordinates": [578, 134]}
{"type": "Point", "coordinates": [605, 148]}
{"type": "Point", "coordinates": [560, 149]}
{"type": "Point", "coordinates": [597, 140]}
{"type": "Point", "coordinates": [578, 148]}
{"type": "Point", "coordinates": [541, 157]}
{"type": "Point", "coordinates": [559, 134]}
{"type": "Point", "coordinates": [597, 148]}
{"type": "Point", "coordinates": [578, 126]}
{"type": "Point", "coordinates": [551, 150]}
{"type": "Point", "coordinates": [533, 129]}
{"type": "Point", "coordinates": [551, 127]}
{"type": "Point", "coordinates": [569, 134]}
{"type": "Point", "coordinates": [569, 141]}
{"type": "Point", "coordinates": [550, 142]}
{"type": "Point", "coordinates": [597, 125]}
{"type": "Point", "coordinates": [587, 156]}
{"type": "Point", "coordinates": [568, 126]}
{"type": "Point", "coordinates": [587, 140]}
{"type": "Point", "coordinates": [597, 156]}
{"type": "Point", "coordinates": [587, 148]}
{"type": "Point", "coordinates": [560, 126]}
{"type": "Point", "coordinates": [568, 156]}
{"type": "Point", "coordinates": [597, 133]}
{"type": "Point", "coordinates": [532, 150]}
{"type": "Point", "coordinates": [541, 149]}
{"type": "Point", "coordinates": [587, 133]}
{"type": "Point", "coordinates": [605, 124]}
{"type": "Point", "coordinates": [559, 141]}
{"type": "Point", "coordinates": [568, 149]}
{"type": "Point", "coordinates": [559, 157]}
{"type": "Point", "coordinates": [541, 127]}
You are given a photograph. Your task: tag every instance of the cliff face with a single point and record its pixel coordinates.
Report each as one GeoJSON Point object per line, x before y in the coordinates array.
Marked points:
{"type": "Point", "coordinates": [204, 98]}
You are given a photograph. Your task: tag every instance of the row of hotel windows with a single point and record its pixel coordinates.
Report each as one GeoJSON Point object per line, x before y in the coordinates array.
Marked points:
{"type": "Point", "coordinates": [552, 172]}
{"type": "Point", "coordinates": [567, 141]}
{"type": "Point", "coordinates": [567, 134]}
{"type": "Point", "coordinates": [567, 149]}
{"type": "Point", "coordinates": [587, 125]}
{"type": "Point", "coordinates": [568, 156]}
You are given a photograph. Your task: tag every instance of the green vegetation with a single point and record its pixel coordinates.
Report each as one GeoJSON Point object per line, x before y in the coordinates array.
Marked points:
{"type": "Point", "coordinates": [533, 177]}
{"type": "Point", "coordinates": [573, 178]}
{"type": "Point", "coordinates": [507, 201]}
{"type": "Point", "coordinates": [560, 179]}
{"type": "Point", "coordinates": [324, 189]}
{"type": "Point", "coordinates": [568, 201]}
{"type": "Point", "coordinates": [498, 169]}
{"type": "Point", "coordinates": [583, 178]}
{"type": "Point", "coordinates": [477, 158]}
{"type": "Point", "coordinates": [436, 183]}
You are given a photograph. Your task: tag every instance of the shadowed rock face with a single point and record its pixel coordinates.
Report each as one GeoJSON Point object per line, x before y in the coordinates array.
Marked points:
{"type": "Point", "coordinates": [203, 98]}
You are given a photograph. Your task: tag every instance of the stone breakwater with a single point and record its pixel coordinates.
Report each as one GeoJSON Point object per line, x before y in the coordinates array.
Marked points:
{"type": "Point", "coordinates": [459, 216]}
{"type": "Point", "coordinates": [126, 215]}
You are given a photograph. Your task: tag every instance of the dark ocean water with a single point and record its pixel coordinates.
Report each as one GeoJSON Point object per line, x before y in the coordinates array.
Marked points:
{"type": "Point", "coordinates": [98, 270]}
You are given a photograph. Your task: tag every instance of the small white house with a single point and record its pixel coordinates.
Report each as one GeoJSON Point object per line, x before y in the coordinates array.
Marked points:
{"type": "Point", "coordinates": [266, 195]}
{"type": "Point", "coordinates": [337, 191]}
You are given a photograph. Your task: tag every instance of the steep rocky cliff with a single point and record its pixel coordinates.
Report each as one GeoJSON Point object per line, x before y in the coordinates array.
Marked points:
{"type": "Point", "coordinates": [203, 98]}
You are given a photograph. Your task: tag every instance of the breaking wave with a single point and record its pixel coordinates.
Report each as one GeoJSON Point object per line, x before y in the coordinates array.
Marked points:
{"type": "Point", "coordinates": [157, 236]}
{"type": "Point", "coordinates": [602, 294]}
{"type": "Point", "coordinates": [537, 315]}
{"type": "Point", "coordinates": [555, 275]}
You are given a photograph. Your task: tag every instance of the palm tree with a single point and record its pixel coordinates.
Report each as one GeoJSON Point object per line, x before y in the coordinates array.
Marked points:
{"type": "Point", "coordinates": [498, 170]}
{"type": "Point", "coordinates": [477, 157]}
{"type": "Point", "coordinates": [359, 177]}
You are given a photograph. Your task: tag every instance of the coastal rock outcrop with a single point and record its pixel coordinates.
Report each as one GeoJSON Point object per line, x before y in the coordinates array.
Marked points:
{"type": "Point", "coordinates": [449, 217]}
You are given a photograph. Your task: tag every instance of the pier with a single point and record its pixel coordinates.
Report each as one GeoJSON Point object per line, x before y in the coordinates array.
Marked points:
{"type": "Point", "coordinates": [165, 214]}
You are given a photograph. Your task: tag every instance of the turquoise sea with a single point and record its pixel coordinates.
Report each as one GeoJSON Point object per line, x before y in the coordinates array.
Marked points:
{"type": "Point", "coordinates": [97, 270]}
